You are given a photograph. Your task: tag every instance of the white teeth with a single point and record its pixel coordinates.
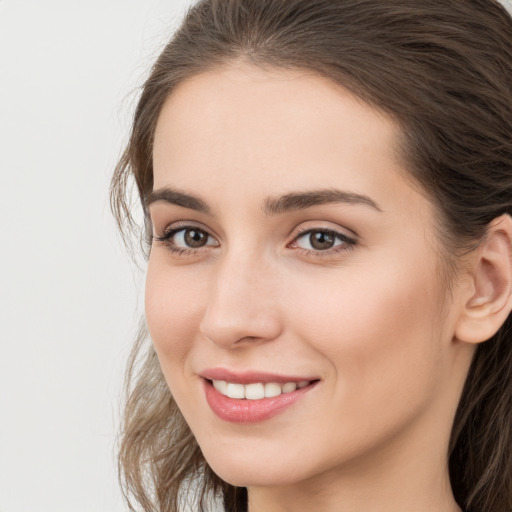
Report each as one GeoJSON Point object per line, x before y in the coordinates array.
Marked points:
{"type": "Point", "coordinates": [289, 387]}
{"type": "Point", "coordinates": [272, 389]}
{"type": "Point", "coordinates": [256, 390]}
{"type": "Point", "coordinates": [235, 390]}
{"type": "Point", "coordinates": [221, 386]}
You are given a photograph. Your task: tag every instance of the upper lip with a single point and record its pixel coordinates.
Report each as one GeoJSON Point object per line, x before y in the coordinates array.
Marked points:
{"type": "Point", "coordinates": [250, 376]}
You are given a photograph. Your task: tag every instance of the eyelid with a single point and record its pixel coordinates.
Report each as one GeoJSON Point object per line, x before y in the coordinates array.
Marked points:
{"type": "Point", "coordinates": [342, 232]}
{"type": "Point", "coordinates": [348, 241]}
{"type": "Point", "coordinates": [172, 229]}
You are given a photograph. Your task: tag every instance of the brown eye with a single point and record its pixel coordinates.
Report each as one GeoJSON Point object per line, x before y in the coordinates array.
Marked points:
{"type": "Point", "coordinates": [195, 238]}
{"type": "Point", "coordinates": [181, 239]}
{"type": "Point", "coordinates": [321, 240]}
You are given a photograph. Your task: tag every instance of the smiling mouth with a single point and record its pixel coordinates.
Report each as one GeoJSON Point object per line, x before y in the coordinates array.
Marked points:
{"type": "Point", "coordinates": [253, 402]}
{"type": "Point", "coordinates": [257, 390]}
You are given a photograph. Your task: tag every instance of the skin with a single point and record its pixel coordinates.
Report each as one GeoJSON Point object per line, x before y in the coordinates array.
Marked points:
{"type": "Point", "coordinates": [374, 321]}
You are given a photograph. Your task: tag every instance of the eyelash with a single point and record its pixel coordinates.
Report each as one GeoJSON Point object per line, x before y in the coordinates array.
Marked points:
{"type": "Point", "coordinates": [347, 243]}
{"type": "Point", "coordinates": [166, 237]}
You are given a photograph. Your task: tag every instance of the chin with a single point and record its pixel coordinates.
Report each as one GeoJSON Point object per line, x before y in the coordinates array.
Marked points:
{"type": "Point", "coordinates": [247, 471]}
{"type": "Point", "coordinates": [252, 477]}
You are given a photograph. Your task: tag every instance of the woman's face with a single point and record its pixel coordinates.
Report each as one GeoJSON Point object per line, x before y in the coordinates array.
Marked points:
{"type": "Point", "coordinates": [290, 249]}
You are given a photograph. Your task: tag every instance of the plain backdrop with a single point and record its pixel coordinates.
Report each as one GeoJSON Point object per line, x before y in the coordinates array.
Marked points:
{"type": "Point", "coordinates": [69, 300]}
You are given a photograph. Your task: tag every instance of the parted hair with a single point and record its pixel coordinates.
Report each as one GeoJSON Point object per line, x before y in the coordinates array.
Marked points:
{"type": "Point", "coordinates": [442, 69]}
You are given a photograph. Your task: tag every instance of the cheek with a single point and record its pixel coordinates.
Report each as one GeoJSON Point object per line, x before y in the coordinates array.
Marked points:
{"type": "Point", "coordinates": [173, 307]}
{"type": "Point", "coordinates": [380, 333]}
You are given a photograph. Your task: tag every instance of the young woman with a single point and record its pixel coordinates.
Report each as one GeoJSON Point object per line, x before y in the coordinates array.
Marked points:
{"type": "Point", "coordinates": [326, 186]}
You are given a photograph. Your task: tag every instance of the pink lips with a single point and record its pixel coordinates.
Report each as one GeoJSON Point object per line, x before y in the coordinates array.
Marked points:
{"type": "Point", "coordinates": [250, 411]}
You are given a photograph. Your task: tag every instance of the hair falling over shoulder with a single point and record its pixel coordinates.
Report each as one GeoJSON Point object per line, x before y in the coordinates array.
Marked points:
{"type": "Point", "coordinates": [443, 70]}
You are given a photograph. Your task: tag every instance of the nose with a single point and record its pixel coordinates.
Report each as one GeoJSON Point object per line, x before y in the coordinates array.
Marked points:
{"type": "Point", "coordinates": [242, 305]}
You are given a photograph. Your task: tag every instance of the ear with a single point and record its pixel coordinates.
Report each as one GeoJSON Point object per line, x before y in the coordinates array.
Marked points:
{"type": "Point", "coordinates": [488, 301]}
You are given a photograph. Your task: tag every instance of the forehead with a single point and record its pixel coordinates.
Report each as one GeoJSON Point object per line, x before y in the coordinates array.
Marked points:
{"type": "Point", "coordinates": [270, 130]}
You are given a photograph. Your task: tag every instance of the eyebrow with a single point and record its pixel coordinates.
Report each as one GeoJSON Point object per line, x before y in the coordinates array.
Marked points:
{"type": "Point", "coordinates": [179, 198]}
{"type": "Point", "coordinates": [303, 200]}
{"type": "Point", "coordinates": [289, 202]}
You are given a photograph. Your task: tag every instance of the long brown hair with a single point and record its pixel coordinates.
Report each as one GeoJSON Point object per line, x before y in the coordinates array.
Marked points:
{"type": "Point", "coordinates": [443, 70]}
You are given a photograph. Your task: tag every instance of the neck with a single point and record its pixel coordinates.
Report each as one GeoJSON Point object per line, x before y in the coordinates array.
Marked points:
{"type": "Point", "coordinates": [348, 498]}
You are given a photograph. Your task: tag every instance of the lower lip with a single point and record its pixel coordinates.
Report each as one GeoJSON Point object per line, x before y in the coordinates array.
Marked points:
{"type": "Point", "coordinates": [250, 411]}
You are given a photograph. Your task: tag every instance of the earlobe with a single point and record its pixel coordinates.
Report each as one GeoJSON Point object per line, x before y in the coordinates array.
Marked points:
{"type": "Point", "coordinates": [490, 298]}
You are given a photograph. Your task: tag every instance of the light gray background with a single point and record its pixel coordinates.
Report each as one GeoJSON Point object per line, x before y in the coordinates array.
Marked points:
{"type": "Point", "coordinates": [69, 299]}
